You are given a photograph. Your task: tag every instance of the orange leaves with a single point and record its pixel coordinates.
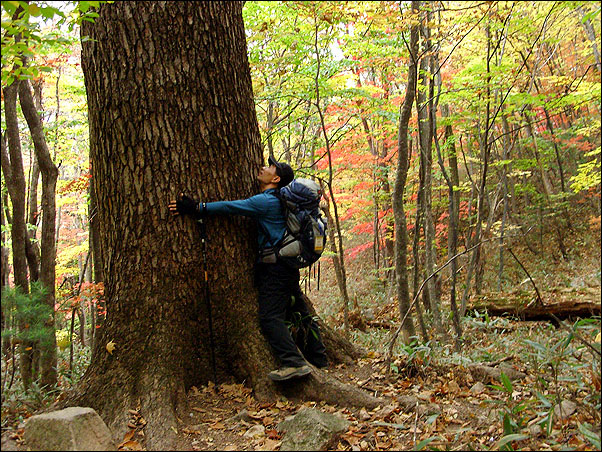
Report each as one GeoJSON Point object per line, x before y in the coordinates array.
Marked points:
{"type": "Point", "coordinates": [76, 185]}
{"type": "Point", "coordinates": [89, 293]}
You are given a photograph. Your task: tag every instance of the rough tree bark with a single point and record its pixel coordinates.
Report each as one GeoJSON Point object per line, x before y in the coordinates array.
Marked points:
{"type": "Point", "coordinates": [171, 109]}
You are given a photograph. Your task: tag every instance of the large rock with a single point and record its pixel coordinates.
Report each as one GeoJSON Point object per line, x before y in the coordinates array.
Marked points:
{"type": "Point", "coordinates": [310, 429]}
{"type": "Point", "coordinates": [74, 428]}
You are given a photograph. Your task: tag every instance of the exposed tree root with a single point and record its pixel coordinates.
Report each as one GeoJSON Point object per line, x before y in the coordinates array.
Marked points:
{"type": "Point", "coordinates": [320, 386]}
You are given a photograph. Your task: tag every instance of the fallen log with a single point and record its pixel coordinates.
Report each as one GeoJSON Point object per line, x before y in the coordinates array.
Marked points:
{"type": "Point", "coordinates": [384, 325]}
{"type": "Point", "coordinates": [562, 303]}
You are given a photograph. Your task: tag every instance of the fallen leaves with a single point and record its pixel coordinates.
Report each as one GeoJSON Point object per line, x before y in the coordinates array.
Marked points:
{"type": "Point", "coordinates": [467, 412]}
{"type": "Point", "coordinates": [217, 426]}
{"type": "Point", "coordinates": [130, 445]}
{"type": "Point", "coordinates": [110, 347]}
{"type": "Point", "coordinates": [136, 423]}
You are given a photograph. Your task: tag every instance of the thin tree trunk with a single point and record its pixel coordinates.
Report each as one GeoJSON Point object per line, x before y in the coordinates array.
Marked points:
{"type": "Point", "coordinates": [591, 35]}
{"type": "Point", "coordinates": [4, 268]}
{"type": "Point", "coordinates": [381, 185]}
{"type": "Point", "coordinates": [418, 227]}
{"type": "Point", "coordinates": [32, 249]}
{"type": "Point", "coordinates": [485, 150]}
{"type": "Point", "coordinates": [452, 209]}
{"type": "Point", "coordinates": [340, 249]}
{"type": "Point", "coordinates": [505, 156]}
{"type": "Point", "coordinates": [547, 186]}
{"type": "Point", "coordinates": [415, 250]}
{"type": "Point", "coordinates": [401, 233]}
{"type": "Point", "coordinates": [48, 256]}
{"type": "Point", "coordinates": [12, 165]}
{"type": "Point", "coordinates": [337, 264]}
{"type": "Point", "coordinates": [425, 131]}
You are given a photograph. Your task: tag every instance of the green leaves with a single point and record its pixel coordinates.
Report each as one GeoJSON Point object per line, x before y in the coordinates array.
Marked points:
{"type": "Point", "coordinates": [425, 442]}
{"type": "Point", "coordinates": [505, 440]}
{"type": "Point", "coordinates": [28, 33]}
{"type": "Point", "coordinates": [506, 382]}
{"type": "Point", "coordinates": [586, 17]}
{"type": "Point", "coordinates": [590, 436]}
{"type": "Point", "coordinates": [588, 175]}
{"type": "Point", "coordinates": [29, 311]}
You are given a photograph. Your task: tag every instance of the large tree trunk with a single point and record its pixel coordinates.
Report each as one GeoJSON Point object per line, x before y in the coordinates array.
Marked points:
{"type": "Point", "coordinates": [171, 109]}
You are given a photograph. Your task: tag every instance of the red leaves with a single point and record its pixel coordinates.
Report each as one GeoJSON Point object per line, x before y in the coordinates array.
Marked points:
{"type": "Point", "coordinates": [76, 185]}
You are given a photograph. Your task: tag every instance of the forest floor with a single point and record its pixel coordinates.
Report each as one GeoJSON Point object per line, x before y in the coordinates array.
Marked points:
{"type": "Point", "coordinates": [459, 409]}
{"type": "Point", "coordinates": [456, 408]}
{"type": "Point", "coordinates": [461, 400]}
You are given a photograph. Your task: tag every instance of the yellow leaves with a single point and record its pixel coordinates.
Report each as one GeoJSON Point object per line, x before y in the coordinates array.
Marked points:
{"type": "Point", "coordinates": [63, 342]}
{"type": "Point", "coordinates": [110, 347]}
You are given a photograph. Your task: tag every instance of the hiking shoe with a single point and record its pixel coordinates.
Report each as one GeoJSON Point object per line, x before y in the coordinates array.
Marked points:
{"type": "Point", "coordinates": [320, 364]}
{"type": "Point", "coordinates": [284, 373]}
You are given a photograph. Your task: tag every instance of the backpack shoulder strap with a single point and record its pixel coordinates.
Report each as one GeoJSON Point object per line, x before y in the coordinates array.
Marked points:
{"type": "Point", "coordinates": [283, 202]}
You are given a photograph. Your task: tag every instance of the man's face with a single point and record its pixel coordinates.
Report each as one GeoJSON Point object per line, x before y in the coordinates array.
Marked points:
{"type": "Point", "coordinates": [267, 174]}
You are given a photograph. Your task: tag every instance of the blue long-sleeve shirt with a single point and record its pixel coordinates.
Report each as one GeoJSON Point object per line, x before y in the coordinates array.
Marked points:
{"type": "Point", "coordinates": [264, 207]}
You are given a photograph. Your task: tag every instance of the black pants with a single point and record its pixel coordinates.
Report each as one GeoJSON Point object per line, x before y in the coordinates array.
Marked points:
{"type": "Point", "coordinates": [281, 303]}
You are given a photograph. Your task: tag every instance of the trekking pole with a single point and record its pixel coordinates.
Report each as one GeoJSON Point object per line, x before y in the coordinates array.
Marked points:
{"type": "Point", "coordinates": [203, 229]}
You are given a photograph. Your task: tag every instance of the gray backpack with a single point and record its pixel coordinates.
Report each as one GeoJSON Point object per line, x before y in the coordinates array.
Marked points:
{"type": "Point", "coordinates": [305, 237]}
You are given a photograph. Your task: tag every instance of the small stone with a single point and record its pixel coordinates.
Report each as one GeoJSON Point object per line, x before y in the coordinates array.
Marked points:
{"type": "Point", "coordinates": [535, 430]}
{"type": "Point", "coordinates": [311, 429]}
{"type": "Point", "coordinates": [242, 415]}
{"type": "Point", "coordinates": [364, 416]}
{"type": "Point", "coordinates": [565, 409]}
{"type": "Point", "coordinates": [452, 386]}
{"type": "Point", "coordinates": [255, 431]}
{"type": "Point", "coordinates": [477, 388]}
